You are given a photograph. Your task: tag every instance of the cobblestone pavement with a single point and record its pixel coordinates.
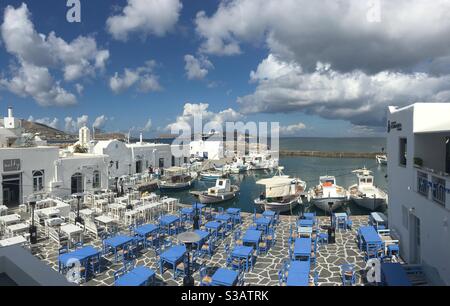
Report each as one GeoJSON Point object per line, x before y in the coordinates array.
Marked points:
{"type": "Point", "coordinates": [265, 271]}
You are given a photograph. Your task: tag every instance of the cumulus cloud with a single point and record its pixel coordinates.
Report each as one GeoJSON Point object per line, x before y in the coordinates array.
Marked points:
{"type": "Point", "coordinates": [293, 129]}
{"type": "Point", "coordinates": [100, 122]}
{"type": "Point", "coordinates": [143, 77]}
{"type": "Point", "coordinates": [71, 125]}
{"type": "Point", "coordinates": [53, 123]}
{"type": "Point", "coordinates": [196, 68]}
{"type": "Point", "coordinates": [196, 109]}
{"type": "Point", "coordinates": [147, 17]}
{"type": "Point", "coordinates": [37, 53]}
{"type": "Point", "coordinates": [355, 96]}
{"type": "Point", "coordinates": [341, 33]}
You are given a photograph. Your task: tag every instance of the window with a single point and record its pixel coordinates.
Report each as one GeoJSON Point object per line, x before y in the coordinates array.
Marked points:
{"type": "Point", "coordinates": [161, 162]}
{"type": "Point", "coordinates": [405, 217]}
{"type": "Point", "coordinates": [402, 151]}
{"type": "Point", "coordinates": [76, 183]}
{"type": "Point", "coordinates": [369, 180]}
{"type": "Point", "coordinates": [38, 180]}
{"type": "Point", "coordinates": [185, 160]}
{"type": "Point", "coordinates": [117, 165]}
{"type": "Point", "coordinates": [96, 179]}
{"type": "Point", "coordinates": [173, 160]}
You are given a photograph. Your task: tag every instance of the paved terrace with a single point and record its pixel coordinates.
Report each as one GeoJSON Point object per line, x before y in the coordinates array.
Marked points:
{"type": "Point", "coordinates": [265, 272]}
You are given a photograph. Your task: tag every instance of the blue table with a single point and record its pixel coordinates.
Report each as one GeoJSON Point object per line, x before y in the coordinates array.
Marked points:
{"type": "Point", "coordinates": [252, 237]}
{"type": "Point", "coordinates": [82, 255]}
{"type": "Point", "coordinates": [139, 276]}
{"type": "Point", "coordinates": [225, 218]}
{"type": "Point", "coordinates": [214, 226]}
{"type": "Point", "coordinates": [298, 273]}
{"type": "Point", "coordinates": [173, 257]}
{"type": "Point", "coordinates": [235, 213]}
{"type": "Point", "coordinates": [305, 223]}
{"type": "Point", "coordinates": [116, 243]}
{"type": "Point", "coordinates": [309, 216]}
{"type": "Point", "coordinates": [243, 252]}
{"type": "Point", "coordinates": [302, 247]}
{"type": "Point", "coordinates": [168, 221]}
{"type": "Point", "coordinates": [146, 230]}
{"type": "Point", "coordinates": [393, 274]}
{"type": "Point", "coordinates": [263, 224]}
{"type": "Point", "coordinates": [204, 235]}
{"type": "Point", "coordinates": [198, 206]}
{"type": "Point", "coordinates": [368, 234]}
{"type": "Point", "coordinates": [224, 277]}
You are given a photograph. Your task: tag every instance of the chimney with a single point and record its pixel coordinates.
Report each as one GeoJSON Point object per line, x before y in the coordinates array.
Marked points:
{"type": "Point", "coordinates": [140, 138]}
{"type": "Point", "coordinates": [10, 112]}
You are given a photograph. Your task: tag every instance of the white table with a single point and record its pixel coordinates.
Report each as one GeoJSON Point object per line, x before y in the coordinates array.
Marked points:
{"type": "Point", "coordinates": [72, 231]}
{"type": "Point", "coordinates": [49, 212]}
{"type": "Point", "coordinates": [17, 228]}
{"type": "Point", "coordinates": [3, 210]}
{"type": "Point", "coordinates": [105, 220]}
{"type": "Point", "coordinates": [12, 241]}
{"type": "Point", "coordinates": [54, 221]}
{"type": "Point", "coordinates": [86, 212]}
{"type": "Point", "coordinates": [10, 219]}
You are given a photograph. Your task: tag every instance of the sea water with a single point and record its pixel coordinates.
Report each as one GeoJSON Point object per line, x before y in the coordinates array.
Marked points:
{"type": "Point", "coordinates": [308, 169]}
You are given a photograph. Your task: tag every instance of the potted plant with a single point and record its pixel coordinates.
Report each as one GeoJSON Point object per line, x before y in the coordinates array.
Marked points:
{"type": "Point", "coordinates": [418, 162]}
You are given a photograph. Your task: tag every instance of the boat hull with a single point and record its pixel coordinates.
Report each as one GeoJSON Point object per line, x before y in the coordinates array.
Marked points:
{"type": "Point", "coordinates": [368, 203]}
{"type": "Point", "coordinates": [278, 207]}
{"type": "Point", "coordinates": [175, 187]}
{"type": "Point", "coordinates": [209, 199]}
{"type": "Point", "coordinates": [322, 203]}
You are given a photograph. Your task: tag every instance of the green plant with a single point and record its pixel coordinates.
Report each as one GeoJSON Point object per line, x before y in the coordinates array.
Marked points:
{"type": "Point", "coordinates": [79, 149]}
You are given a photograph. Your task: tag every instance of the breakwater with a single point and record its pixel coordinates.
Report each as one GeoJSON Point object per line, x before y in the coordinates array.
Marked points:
{"type": "Point", "coordinates": [368, 155]}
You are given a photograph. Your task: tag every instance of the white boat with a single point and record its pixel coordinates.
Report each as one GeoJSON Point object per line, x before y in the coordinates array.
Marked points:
{"type": "Point", "coordinates": [381, 159]}
{"type": "Point", "coordinates": [365, 193]}
{"type": "Point", "coordinates": [261, 161]}
{"type": "Point", "coordinates": [282, 193]}
{"type": "Point", "coordinates": [212, 175]}
{"type": "Point", "coordinates": [326, 193]}
{"type": "Point", "coordinates": [222, 191]}
{"type": "Point", "coordinates": [176, 178]}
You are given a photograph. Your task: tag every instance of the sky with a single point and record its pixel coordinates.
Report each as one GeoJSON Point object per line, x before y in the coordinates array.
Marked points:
{"type": "Point", "coordinates": [319, 68]}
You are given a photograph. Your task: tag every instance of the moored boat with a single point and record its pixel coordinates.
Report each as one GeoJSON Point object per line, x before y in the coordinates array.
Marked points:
{"type": "Point", "coordinates": [222, 191]}
{"type": "Point", "coordinates": [282, 193]}
{"type": "Point", "coordinates": [365, 193]}
{"type": "Point", "coordinates": [381, 159]}
{"type": "Point", "coordinates": [175, 179]}
{"type": "Point", "coordinates": [327, 195]}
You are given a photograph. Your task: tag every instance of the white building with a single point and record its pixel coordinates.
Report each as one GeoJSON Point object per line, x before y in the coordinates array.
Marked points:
{"type": "Point", "coordinates": [208, 149]}
{"type": "Point", "coordinates": [418, 145]}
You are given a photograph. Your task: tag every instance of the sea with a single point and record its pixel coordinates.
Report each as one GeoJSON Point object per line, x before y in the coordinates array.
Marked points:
{"type": "Point", "coordinates": [308, 169]}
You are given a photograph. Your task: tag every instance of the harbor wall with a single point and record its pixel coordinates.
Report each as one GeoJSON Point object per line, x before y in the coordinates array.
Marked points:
{"type": "Point", "coordinates": [368, 155]}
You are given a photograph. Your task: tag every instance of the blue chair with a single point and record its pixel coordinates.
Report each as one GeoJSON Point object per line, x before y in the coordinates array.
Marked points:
{"type": "Point", "coordinates": [322, 238]}
{"type": "Point", "coordinates": [271, 237]}
{"type": "Point", "coordinates": [349, 223]}
{"type": "Point", "coordinates": [240, 281]}
{"type": "Point", "coordinates": [282, 273]}
{"type": "Point", "coordinates": [205, 279]}
{"type": "Point", "coordinates": [63, 250]}
{"type": "Point", "coordinates": [392, 250]}
{"type": "Point", "coordinates": [348, 274]}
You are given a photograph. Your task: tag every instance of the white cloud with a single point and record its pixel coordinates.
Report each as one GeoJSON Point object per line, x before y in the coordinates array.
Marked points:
{"type": "Point", "coordinates": [71, 125]}
{"type": "Point", "coordinates": [292, 129]}
{"type": "Point", "coordinates": [100, 122]}
{"type": "Point", "coordinates": [143, 76]}
{"type": "Point", "coordinates": [336, 32]}
{"type": "Point", "coordinates": [196, 68]}
{"type": "Point", "coordinates": [355, 96]}
{"type": "Point", "coordinates": [46, 120]}
{"type": "Point", "coordinates": [37, 53]}
{"type": "Point", "coordinates": [79, 88]}
{"type": "Point", "coordinates": [192, 109]}
{"type": "Point", "coordinates": [148, 17]}
{"type": "Point", "coordinates": [148, 126]}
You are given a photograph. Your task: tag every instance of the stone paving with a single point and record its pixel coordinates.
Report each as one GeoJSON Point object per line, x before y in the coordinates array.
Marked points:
{"type": "Point", "coordinates": [265, 271]}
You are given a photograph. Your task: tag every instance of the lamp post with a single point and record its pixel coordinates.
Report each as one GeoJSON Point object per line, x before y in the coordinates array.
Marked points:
{"type": "Point", "coordinates": [78, 219]}
{"type": "Point", "coordinates": [188, 238]}
{"type": "Point", "coordinates": [331, 230]}
{"type": "Point", "coordinates": [196, 217]}
{"type": "Point", "coordinates": [33, 229]}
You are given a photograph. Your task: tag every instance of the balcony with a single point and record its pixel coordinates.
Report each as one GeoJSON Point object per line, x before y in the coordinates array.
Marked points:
{"type": "Point", "coordinates": [434, 186]}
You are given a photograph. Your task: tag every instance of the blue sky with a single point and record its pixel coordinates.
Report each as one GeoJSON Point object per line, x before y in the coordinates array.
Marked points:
{"type": "Point", "coordinates": [229, 41]}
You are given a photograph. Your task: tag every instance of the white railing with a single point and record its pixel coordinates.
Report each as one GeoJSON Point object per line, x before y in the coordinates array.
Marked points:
{"type": "Point", "coordinates": [434, 186]}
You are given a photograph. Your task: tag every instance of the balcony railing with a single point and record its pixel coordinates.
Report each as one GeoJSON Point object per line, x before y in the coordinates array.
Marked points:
{"type": "Point", "coordinates": [433, 186]}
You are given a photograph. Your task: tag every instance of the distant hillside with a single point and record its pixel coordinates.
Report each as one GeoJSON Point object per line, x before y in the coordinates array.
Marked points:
{"type": "Point", "coordinates": [46, 132]}
{"type": "Point", "coordinates": [55, 135]}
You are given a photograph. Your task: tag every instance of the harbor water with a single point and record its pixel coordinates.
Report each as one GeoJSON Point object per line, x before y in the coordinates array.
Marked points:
{"type": "Point", "coordinates": [308, 169]}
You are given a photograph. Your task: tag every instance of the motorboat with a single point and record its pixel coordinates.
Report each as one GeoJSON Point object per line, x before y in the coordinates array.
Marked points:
{"type": "Point", "coordinates": [175, 179]}
{"type": "Point", "coordinates": [365, 193]}
{"type": "Point", "coordinates": [282, 192]}
{"type": "Point", "coordinates": [381, 159]}
{"type": "Point", "coordinates": [327, 195]}
{"type": "Point", "coordinates": [261, 161]}
{"type": "Point", "coordinates": [212, 175]}
{"type": "Point", "coordinates": [222, 191]}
